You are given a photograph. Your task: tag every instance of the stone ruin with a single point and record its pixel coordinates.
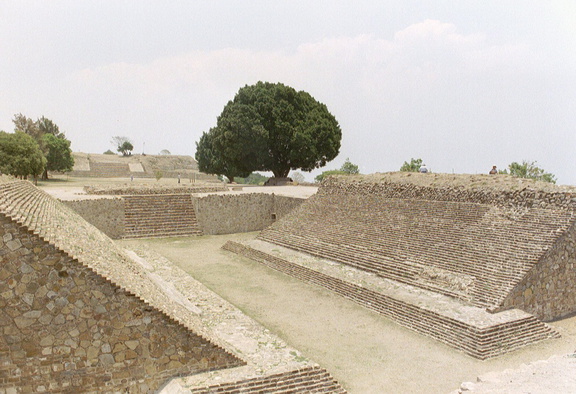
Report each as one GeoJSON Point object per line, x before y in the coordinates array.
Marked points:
{"type": "Point", "coordinates": [79, 314]}
{"type": "Point", "coordinates": [479, 269]}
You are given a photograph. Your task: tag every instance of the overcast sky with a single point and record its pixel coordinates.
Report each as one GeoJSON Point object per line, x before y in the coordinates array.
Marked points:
{"type": "Point", "coordinates": [464, 85]}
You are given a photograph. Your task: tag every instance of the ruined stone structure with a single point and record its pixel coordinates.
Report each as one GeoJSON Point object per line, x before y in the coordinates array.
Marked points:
{"type": "Point", "coordinates": [78, 314]}
{"type": "Point", "coordinates": [135, 214]}
{"type": "Point", "coordinates": [138, 166]}
{"type": "Point", "coordinates": [477, 267]}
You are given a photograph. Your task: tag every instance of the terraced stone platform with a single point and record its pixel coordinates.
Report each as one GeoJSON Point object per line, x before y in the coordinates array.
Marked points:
{"type": "Point", "coordinates": [508, 250]}
{"type": "Point", "coordinates": [473, 330]}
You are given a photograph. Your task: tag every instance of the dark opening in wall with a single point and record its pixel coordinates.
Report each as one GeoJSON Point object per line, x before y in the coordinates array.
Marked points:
{"type": "Point", "coordinates": [273, 216]}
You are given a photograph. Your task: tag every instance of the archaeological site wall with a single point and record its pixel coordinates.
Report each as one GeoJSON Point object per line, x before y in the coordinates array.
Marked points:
{"type": "Point", "coordinates": [493, 249]}
{"type": "Point", "coordinates": [106, 214]}
{"type": "Point", "coordinates": [155, 214]}
{"type": "Point", "coordinates": [78, 315]}
{"type": "Point", "coordinates": [229, 214]}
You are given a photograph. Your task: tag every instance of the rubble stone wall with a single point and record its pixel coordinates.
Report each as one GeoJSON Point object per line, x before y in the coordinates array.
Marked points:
{"type": "Point", "coordinates": [521, 198]}
{"type": "Point", "coordinates": [106, 214]}
{"type": "Point", "coordinates": [67, 329]}
{"type": "Point", "coordinates": [548, 291]}
{"type": "Point", "coordinates": [228, 214]}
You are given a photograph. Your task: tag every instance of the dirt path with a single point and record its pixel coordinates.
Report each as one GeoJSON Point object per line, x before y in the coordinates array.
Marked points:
{"type": "Point", "coordinates": [366, 352]}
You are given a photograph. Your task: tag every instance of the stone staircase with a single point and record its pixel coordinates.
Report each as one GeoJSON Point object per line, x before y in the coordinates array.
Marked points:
{"type": "Point", "coordinates": [470, 251]}
{"type": "Point", "coordinates": [109, 170]}
{"type": "Point", "coordinates": [472, 330]}
{"type": "Point", "coordinates": [161, 215]}
{"type": "Point", "coordinates": [306, 380]}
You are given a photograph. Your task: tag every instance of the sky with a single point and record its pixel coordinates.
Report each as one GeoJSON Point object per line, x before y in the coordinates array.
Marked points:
{"type": "Point", "coordinates": [464, 85]}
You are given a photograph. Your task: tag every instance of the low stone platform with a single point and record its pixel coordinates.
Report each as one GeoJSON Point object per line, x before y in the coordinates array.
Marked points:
{"type": "Point", "coordinates": [452, 321]}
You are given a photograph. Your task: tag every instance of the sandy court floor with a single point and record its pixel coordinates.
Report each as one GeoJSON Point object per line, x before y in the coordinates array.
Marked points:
{"type": "Point", "coordinates": [366, 352]}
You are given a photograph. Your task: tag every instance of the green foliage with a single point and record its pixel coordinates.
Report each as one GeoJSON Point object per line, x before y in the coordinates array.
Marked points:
{"type": "Point", "coordinates": [349, 168]}
{"type": "Point", "coordinates": [109, 152]}
{"type": "Point", "coordinates": [158, 175]}
{"type": "Point", "coordinates": [325, 174]}
{"type": "Point", "coordinates": [529, 170]}
{"type": "Point", "coordinates": [413, 166]}
{"type": "Point", "coordinates": [252, 179]}
{"type": "Point", "coordinates": [51, 141]}
{"type": "Point", "coordinates": [20, 155]}
{"type": "Point", "coordinates": [123, 145]}
{"type": "Point", "coordinates": [270, 127]}
{"type": "Point", "coordinates": [165, 152]}
{"type": "Point", "coordinates": [210, 160]}
{"type": "Point", "coordinates": [59, 155]}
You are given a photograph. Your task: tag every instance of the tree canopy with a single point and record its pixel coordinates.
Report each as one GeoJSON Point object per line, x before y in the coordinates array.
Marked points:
{"type": "Point", "coordinates": [123, 145]}
{"type": "Point", "coordinates": [20, 155]}
{"type": "Point", "coordinates": [413, 166]}
{"type": "Point", "coordinates": [529, 169]}
{"type": "Point", "coordinates": [53, 144]}
{"type": "Point", "coordinates": [269, 127]}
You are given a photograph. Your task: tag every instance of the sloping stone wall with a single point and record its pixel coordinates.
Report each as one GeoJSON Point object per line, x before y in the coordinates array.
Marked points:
{"type": "Point", "coordinates": [228, 214]}
{"type": "Point", "coordinates": [67, 329]}
{"type": "Point", "coordinates": [522, 197]}
{"type": "Point", "coordinates": [106, 214]}
{"type": "Point", "coordinates": [548, 291]}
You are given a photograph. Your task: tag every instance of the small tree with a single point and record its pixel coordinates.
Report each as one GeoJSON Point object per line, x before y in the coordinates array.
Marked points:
{"type": "Point", "coordinates": [158, 175]}
{"type": "Point", "coordinates": [413, 166]}
{"type": "Point", "coordinates": [59, 156]}
{"type": "Point", "coordinates": [20, 155]}
{"type": "Point", "coordinates": [349, 168]}
{"type": "Point", "coordinates": [165, 152]}
{"type": "Point", "coordinates": [109, 152]}
{"type": "Point", "coordinates": [529, 170]}
{"type": "Point", "coordinates": [123, 145]}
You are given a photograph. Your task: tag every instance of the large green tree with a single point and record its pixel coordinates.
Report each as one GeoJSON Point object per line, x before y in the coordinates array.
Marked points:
{"type": "Point", "coordinates": [211, 161]}
{"type": "Point", "coordinates": [273, 127]}
{"type": "Point", "coordinates": [52, 142]}
{"type": "Point", "coordinates": [529, 169]}
{"type": "Point", "coordinates": [20, 155]}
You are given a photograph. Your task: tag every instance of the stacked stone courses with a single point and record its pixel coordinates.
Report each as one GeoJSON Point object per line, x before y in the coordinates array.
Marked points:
{"type": "Point", "coordinates": [78, 315]}
{"type": "Point", "coordinates": [159, 216]}
{"type": "Point", "coordinates": [431, 238]}
{"type": "Point", "coordinates": [502, 249]}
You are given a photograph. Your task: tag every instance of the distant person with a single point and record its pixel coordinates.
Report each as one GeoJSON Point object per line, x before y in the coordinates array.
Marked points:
{"type": "Point", "coordinates": [423, 169]}
{"type": "Point", "coordinates": [493, 171]}
{"type": "Point", "coordinates": [178, 178]}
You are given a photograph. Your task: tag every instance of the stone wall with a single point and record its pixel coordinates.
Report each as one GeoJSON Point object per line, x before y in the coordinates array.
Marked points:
{"type": "Point", "coordinates": [67, 329]}
{"type": "Point", "coordinates": [548, 291]}
{"type": "Point", "coordinates": [136, 189]}
{"type": "Point", "coordinates": [106, 214]}
{"type": "Point", "coordinates": [228, 214]}
{"type": "Point", "coordinates": [521, 197]}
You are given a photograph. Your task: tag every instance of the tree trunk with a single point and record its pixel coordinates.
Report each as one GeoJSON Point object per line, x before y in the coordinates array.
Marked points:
{"type": "Point", "coordinates": [45, 174]}
{"type": "Point", "coordinates": [282, 173]}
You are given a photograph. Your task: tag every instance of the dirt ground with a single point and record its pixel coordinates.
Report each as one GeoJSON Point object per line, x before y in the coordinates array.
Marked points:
{"type": "Point", "coordinates": [365, 351]}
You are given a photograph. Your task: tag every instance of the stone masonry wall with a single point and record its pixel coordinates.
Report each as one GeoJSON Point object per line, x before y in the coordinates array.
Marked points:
{"type": "Point", "coordinates": [521, 198]}
{"type": "Point", "coordinates": [67, 329]}
{"type": "Point", "coordinates": [548, 291]}
{"type": "Point", "coordinates": [106, 214]}
{"type": "Point", "coordinates": [228, 214]}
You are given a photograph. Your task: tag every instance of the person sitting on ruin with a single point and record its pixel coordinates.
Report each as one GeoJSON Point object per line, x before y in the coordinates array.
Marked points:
{"type": "Point", "coordinates": [493, 171]}
{"type": "Point", "coordinates": [423, 169]}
